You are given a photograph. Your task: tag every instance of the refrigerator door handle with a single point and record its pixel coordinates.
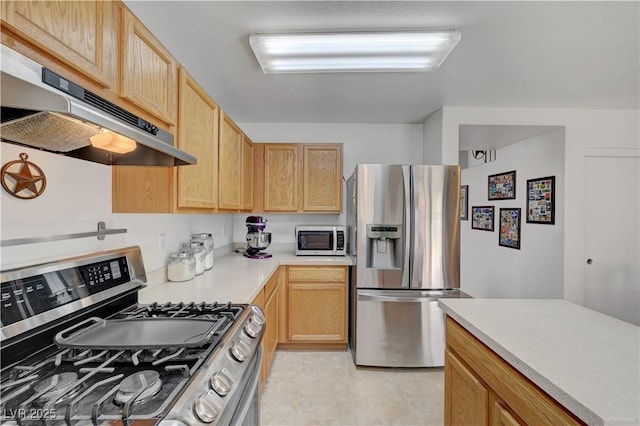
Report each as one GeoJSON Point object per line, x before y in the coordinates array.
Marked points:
{"type": "Point", "coordinates": [403, 299]}
{"type": "Point", "coordinates": [406, 266]}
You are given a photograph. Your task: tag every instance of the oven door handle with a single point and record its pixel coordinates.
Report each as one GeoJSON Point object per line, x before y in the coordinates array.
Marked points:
{"type": "Point", "coordinates": [253, 385]}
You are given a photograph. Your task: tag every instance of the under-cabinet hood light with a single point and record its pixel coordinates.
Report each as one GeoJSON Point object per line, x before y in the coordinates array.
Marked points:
{"type": "Point", "coordinates": [353, 52]}
{"type": "Point", "coordinates": [113, 142]}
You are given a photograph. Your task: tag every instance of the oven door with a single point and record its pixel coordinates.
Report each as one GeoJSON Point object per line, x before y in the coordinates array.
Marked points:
{"type": "Point", "coordinates": [246, 410]}
{"type": "Point", "coordinates": [314, 242]}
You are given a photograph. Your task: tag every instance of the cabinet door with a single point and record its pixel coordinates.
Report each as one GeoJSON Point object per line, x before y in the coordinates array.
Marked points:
{"type": "Point", "coordinates": [148, 71]}
{"type": "Point", "coordinates": [466, 400]}
{"type": "Point", "coordinates": [79, 33]}
{"type": "Point", "coordinates": [501, 416]}
{"type": "Point", "coordinates": [322, 178]}
{"type": "Point", "coordinates": [247, 173]}
{"type": "Point", "coordinates": [197, 135]}
{"type": "Point", "coordinates": [281, 177]}
{"type": "Point", "coordinates": [230, 164]}
{"type": "Point", "coordinates": [271, 330]}
{"type": "Point", "coordinates": [317, 312]}
{"type": "Point", "coordinates": [317, 304]}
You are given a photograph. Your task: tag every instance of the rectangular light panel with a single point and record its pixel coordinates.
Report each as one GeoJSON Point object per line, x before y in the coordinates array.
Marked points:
{"type": "Point", "coordinates": [353, 52]}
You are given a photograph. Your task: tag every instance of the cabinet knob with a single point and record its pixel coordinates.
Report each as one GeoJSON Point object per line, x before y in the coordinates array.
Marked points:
{"type": "Point", "coordinates": [589, 261]}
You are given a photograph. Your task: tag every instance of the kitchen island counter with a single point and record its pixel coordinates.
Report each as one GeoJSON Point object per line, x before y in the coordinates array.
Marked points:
{"type": "Point", "coordinates": [234, 278]}
{"type": "Point", "coordinates": [587, 361]}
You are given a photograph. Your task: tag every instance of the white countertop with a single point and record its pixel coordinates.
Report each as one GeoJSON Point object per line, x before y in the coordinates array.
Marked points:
{"type": "Point", "coordinates": [233, 278]}
{"type": "Point", "coordinates": [587, 361]}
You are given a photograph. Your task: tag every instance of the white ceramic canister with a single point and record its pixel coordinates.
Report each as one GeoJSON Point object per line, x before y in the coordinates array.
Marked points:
{"type": "Point", "coordinates": [182, 266]}
{"type": "Point", "coordinates": [207, 239]}
{"type": "Point", "coordinates": [199, 252]}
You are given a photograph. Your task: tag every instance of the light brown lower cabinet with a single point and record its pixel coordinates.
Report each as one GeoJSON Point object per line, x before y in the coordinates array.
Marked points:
{"type": "Point", "coordinates": [305, 308]}
{"type": "Point", "coordinates": [270, 336]}
{"type": "Point", "coordinates": [481, 388]}
{"type": "Point", "coordinates": [268, 299]}
{"type": "Point", "coordinates": [317, 306]}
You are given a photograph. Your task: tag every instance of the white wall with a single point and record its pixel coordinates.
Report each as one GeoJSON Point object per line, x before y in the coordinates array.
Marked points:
{"type": "Point", "coordinates": [77, 197]}
{"type": "Point", "coordinates": [584, 129]}
{"type": "Point", "coordinates": [536, 270]}
{"type": "Point", "coordinates": [362, 143]}
{"type": "Point", "coordinates": [432, 139]}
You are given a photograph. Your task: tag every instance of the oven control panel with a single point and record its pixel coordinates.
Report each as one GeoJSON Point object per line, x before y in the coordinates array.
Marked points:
{"type": "Point", "coordinates": [29, 296]}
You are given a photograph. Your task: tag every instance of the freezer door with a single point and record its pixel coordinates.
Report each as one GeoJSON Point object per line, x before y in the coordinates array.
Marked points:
{"type": "Point", "coordinates": [435, 220]}
{"type": "Point", "coordinates": [399, 328]}
{"type": "Point", "coordinates": [382, 217]}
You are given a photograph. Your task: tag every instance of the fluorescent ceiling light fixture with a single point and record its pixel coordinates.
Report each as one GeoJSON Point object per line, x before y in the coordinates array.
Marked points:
{"type": "Point", "coordinates": [353, 52]}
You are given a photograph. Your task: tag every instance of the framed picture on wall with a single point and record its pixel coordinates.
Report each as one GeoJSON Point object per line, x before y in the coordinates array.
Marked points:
{"type": "Point", "coordinates": [541, 200]}
{"type": "Point", "coordinates": [482, 218]}
{"type": "Point", "coordinates": [464, 202]}
{"type": "Point", "coordinates": [502, 186]}
{"type": "Point", "coordinates": [509, 235]}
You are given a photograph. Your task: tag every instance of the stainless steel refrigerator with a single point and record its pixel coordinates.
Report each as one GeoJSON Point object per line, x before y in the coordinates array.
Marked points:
{"type": "Point", "coordinates": [404, 235]}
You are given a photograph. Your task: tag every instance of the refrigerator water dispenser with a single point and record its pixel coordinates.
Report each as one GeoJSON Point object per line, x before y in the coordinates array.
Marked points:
{"type": "Point", "coordinates": [384, 250]}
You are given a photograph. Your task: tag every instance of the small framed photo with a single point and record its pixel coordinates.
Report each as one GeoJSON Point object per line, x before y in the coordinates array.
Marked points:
{"type": "Point", "coordinates": [464, 202]}
{"type": "Point", "coordinates": [509, 235]}
{"type": "Point", "coordinates": [482, 218]}
{"type": "Point", "coordinates": [502, 186]}
{"type": "Point", "coordinates": [541, 200]}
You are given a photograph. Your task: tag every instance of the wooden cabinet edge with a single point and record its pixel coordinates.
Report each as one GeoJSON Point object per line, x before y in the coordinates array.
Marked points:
{"type": "Point", "coordinates": [282, 306]}
{"type": "Point", "coordinates": [524, 397]}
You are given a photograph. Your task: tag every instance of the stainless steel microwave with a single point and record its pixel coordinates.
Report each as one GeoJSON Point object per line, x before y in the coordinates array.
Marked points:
{"type": "Point", "coordinates": [320, 240]}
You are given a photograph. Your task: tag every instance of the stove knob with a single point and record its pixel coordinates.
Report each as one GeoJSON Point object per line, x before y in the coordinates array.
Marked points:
{"type": "Point", "coordinates": [257, 316]}
{"type": "Point", "coordinates": [207, 407]}
{"type": "Point", "coordinates": [240, 351]}
{"type": "Point", "coordinates": [221, 383]}
{"type": "Point", "coordinates": [252, 329]}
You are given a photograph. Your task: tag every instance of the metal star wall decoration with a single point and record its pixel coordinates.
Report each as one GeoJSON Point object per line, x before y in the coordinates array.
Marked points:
{"type": "Point", "coordinates": [25, 184]}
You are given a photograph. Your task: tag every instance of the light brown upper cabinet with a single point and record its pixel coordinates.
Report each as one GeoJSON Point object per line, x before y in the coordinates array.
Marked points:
{"type": "Point", "coordinates": [80, 34]}
{"type": "Point", "coordinates": [180, 189]}
{"type": "Point", "coordinates": [301, 178]}
{"type": "Point", "coordinates": [197, 135]}
{"type": "Point", "coordinates": [149, 74]}
{"type": "Point", "coordinates": [230, 164]}
{"type": "Point", "coordinates": [281, 177]}
{"type": "Point", "coordinates": [322, 178]}
{"type": "Point", "coordinates": [247, 174]}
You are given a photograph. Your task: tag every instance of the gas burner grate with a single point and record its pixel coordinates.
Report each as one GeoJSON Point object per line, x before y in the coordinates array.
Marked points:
{"type": "Point", "coordinates": [185, 310]}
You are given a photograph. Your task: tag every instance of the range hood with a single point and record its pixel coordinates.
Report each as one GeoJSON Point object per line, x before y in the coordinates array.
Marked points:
{"type": "Point", "coordinates": [42, 110]}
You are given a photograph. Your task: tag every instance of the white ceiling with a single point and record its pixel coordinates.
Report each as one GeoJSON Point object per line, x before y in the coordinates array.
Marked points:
{"type": "Point", "coordinates": [557, 54]}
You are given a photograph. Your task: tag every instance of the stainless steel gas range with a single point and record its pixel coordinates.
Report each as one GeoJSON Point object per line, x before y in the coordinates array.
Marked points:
{"type": "Point", "coordinates": [78, 349]}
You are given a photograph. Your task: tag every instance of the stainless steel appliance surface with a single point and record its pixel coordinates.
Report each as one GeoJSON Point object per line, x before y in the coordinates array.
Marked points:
{"type": "Point", "coordinates": [78, 349]}
{"type": "Point", "coordinates": [404, 237]}
{"type": "Point", "coordinates": [320, 240]}
{"type": "Point", "coordinates": [41, 109]}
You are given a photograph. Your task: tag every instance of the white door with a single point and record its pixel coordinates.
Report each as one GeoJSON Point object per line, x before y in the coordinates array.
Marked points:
{"type": "Point", "coordinates": [612, 233]}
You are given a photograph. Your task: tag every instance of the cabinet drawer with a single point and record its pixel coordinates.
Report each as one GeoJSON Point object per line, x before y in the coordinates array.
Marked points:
{"type": "Point", "coordinates": [310, 274]}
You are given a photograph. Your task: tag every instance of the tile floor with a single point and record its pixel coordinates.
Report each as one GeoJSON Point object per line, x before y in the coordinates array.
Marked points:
{"type": "Point", "coordinates": [326, 388]}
